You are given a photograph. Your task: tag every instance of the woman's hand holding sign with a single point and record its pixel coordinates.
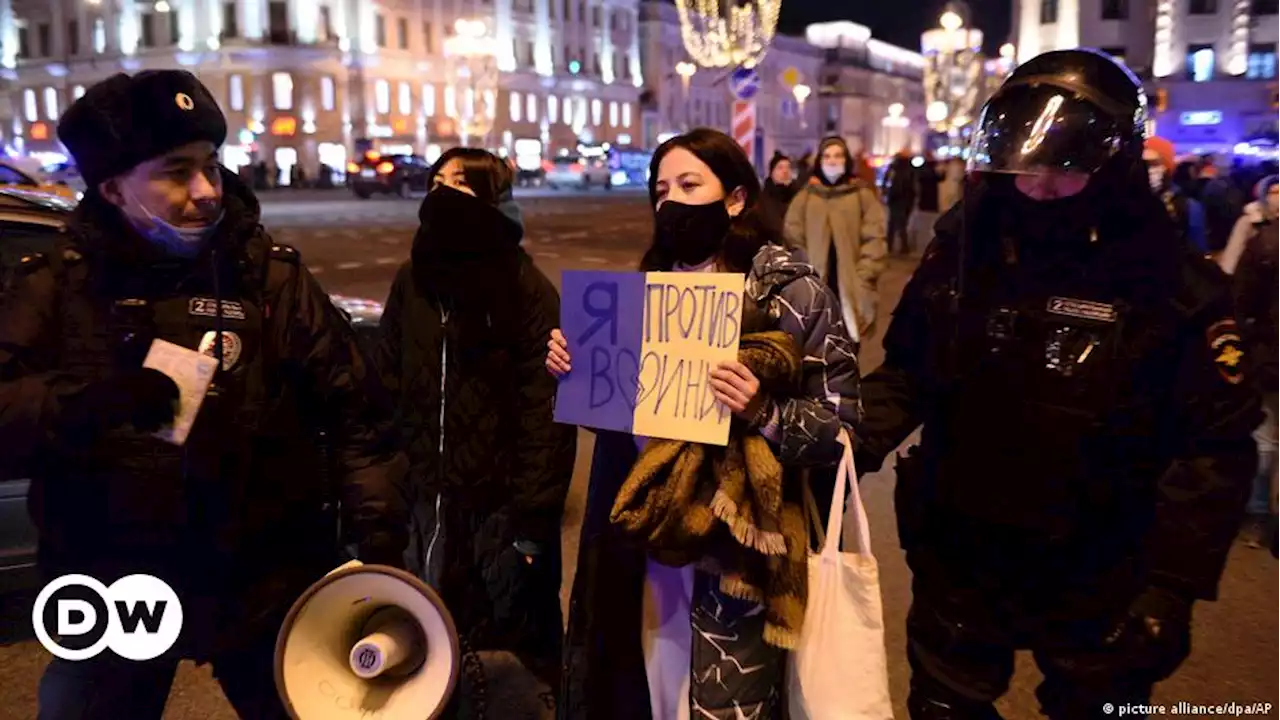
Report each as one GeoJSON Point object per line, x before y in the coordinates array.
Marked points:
{"type": "Point", "coordinates": [557, 354]}
{"type": "Point", "coordinates": [734, 385]}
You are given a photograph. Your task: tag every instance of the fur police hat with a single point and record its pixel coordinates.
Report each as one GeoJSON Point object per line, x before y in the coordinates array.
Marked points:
{"type": "Point", "coordinates": [126, 120]}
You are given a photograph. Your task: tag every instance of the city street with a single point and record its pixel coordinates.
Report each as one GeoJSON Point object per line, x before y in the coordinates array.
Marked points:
{"type": "Point", "coordinates": [354, 247]}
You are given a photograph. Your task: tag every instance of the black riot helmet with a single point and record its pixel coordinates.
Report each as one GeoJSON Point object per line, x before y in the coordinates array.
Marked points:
{"type": "Point", "coordinates": [1069, 110]}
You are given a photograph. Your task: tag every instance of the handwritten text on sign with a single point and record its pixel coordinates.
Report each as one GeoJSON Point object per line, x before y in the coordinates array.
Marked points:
{"type": "Point", "coordinates": [643, 348]}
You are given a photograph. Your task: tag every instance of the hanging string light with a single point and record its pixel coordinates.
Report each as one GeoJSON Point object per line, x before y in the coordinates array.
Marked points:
{"type": "Point", "coordinates": [728, 33]}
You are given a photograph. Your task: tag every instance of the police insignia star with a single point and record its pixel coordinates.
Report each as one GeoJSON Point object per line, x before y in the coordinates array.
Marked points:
{"type": "Point", "coordinates": [231, 347]}
{"type": "Point", "coordinates": [1224, 347]}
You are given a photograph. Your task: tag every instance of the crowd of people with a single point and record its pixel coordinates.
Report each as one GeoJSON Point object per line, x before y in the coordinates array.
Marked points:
{"type": "Point", "coordinates": [1089, 387]}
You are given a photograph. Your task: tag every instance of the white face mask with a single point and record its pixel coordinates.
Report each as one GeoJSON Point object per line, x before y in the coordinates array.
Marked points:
{"type": "Point", "coordinates": [1155, 176]}
{"type": "Point", "coordinates": [832, 171]}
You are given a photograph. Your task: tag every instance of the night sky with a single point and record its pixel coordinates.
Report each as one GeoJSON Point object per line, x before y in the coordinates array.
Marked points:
{"type": "Point", "coordinates": [897, 21]}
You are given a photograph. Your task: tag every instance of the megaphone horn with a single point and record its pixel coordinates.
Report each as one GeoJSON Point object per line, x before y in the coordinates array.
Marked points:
{"type": "Point", "coordinates": [368, 642]}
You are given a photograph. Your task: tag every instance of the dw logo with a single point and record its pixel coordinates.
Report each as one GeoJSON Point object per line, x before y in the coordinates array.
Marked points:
{"type": "Point", "coordinates": [76, 617]}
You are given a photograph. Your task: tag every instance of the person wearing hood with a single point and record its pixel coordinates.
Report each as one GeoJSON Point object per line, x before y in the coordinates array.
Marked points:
{"type": "Point", "coordinates": [1081, 387]}
{"type": "Point", "coordinates": [649, 637]}
{"type": "Point", "coordinates": [463, 341]}
{"type": "Point", "coordinates": [1186, 212]}
{"type": "Point", "coordinates": [778, 192]}
{"type": "Point", "coordinates": [838, 220]}
{"type": "Point", "coordinates": [1258, 213]}
{"type": "Point", "coordinates": [167, 246]}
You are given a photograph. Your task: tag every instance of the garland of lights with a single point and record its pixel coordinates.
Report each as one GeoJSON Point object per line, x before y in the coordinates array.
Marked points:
{"type": "Point", "coordinates": [728, 36]}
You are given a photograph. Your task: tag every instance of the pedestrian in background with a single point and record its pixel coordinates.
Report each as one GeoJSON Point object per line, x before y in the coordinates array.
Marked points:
{"type": "Point", "coordinates": [1259, 211]}
{"type": "Point", "coordinates": [648, 641]}
{"type": "Point", "coordinates": [168, 245]}
{"type": "Point", "coordinates": [927, 209]}
{"type": "Point", "coordinates": [1186, 212]}
{"type": "Point", "coordinates": [899, 190]}
{"type": "Point", "coordinates": [463, 342]}
{"type": "Point", "coordinates": [951, 187]}
{"type": "Point", "coordinates": [776, 195]}
{"type": "Point", "coordinates": [838, 220]}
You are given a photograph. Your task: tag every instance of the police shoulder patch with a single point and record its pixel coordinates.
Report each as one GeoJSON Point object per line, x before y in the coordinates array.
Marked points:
{"type": "Point", "coordinates": [288, 253]}
{"type": "Point", "coordinates": [1223, 338]}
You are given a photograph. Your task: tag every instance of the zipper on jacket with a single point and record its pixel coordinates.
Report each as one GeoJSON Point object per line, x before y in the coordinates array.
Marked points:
{"type": "Point", "coordinates": [444, 375]}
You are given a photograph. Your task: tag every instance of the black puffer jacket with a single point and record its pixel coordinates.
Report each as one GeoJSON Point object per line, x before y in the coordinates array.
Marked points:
{"type": "Point", "coordinates": [236, 518]}
{"type": "Point", "coordinates": [464, 341]}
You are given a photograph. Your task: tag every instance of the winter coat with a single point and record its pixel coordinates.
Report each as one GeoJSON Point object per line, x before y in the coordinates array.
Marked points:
{"type": "Point", "coordinates": [489, 468]}
{"type": "Point", "coordinates": [238, 520]}
{"type": "Point", "coordinates": [772, 208]}
{"type": "Point", "coordinates": [850, 216]}
{"type": "Point", "coordinates": [1255, 283]}
{"type": "Point", "coordinates": [604, 673]}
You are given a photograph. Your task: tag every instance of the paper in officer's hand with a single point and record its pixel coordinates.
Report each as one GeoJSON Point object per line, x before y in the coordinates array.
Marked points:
{"type": "Point", "coordinates": [192, 372]}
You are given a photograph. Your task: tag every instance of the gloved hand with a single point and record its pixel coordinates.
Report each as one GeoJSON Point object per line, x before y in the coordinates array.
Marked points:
{"type": "Point", "coordinates": [145, 398]}
{"type": "Point", "coordinates": [1156, 634]}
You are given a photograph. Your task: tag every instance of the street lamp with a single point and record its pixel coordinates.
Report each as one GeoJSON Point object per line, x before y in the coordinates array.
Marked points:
{"type": "Point", "coordinates": [802, 93]}
{"type": "Point", "coordinates": [953, 70]}
{"type": "Point", "coordinates": [473, 59]}
{"type": "Point", "coordinates": [728, 34]}
{"type": "Point", "coordinates": [686, 71]}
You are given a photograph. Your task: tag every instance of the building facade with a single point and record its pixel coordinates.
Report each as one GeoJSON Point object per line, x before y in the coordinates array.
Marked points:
{"type": "Point", "coordinates": [870, 93]}
{"type": "Point", "coordinates": [1208, 65]}
{"type": "Point", "coordinates": [784, 123]}
{"type": "Point", "coordinates": [302, 81]}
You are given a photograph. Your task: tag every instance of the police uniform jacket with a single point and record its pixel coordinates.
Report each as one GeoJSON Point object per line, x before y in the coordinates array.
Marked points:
{"type": "Point", "coordinates": [235, 519]}
{"type": "Point", "coordinates": [1095, 400]}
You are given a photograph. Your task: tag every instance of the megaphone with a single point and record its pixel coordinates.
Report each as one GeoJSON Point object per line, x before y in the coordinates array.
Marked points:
{"type": "Point", "coordinates": [367, 641]}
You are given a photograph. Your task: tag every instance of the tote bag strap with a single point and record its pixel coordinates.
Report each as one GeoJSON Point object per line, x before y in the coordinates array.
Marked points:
{"type": "Point", "coordinates": [846, 481]}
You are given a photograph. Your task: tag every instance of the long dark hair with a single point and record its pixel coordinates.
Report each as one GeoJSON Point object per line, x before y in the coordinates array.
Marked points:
{"type": "Point", "coordinates": [486, 174]}
{"type": "Point", "coordinates": [747, 234]}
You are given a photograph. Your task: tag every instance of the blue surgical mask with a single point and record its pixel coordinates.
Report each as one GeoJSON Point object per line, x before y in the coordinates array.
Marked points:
{"type": "Point", "coordinates": [182, 242]}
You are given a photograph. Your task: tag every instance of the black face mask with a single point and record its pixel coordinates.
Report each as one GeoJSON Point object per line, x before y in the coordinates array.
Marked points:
{"type": "Point", "coordinates": [692, 233]}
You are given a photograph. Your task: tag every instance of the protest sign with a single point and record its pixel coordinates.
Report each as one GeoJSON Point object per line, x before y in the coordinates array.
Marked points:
{"type": "Point", "coordinates": [643, 346]}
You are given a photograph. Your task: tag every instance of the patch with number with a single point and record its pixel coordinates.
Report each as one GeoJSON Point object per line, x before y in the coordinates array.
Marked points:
{"type": "Point", "coordinates": [208, 307]}
{"type": "Point", "coordinates": [1082, 309]}
{"type": "Point", "coordinates": [1225, 349]}
{"type": "Point", "coordinates": [232, 347]}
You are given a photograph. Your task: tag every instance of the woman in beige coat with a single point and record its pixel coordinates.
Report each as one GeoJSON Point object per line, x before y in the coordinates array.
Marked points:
{"type": "Point", "coordinates": [839, 221]}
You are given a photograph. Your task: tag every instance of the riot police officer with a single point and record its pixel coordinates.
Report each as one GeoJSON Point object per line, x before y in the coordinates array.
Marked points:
{"type": "Point", "coordinates": [1085, 451]}
{"type": "Point", "coordinates": [167, 245]}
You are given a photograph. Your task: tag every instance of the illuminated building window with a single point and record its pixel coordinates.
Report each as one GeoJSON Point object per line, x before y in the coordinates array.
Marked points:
{"type": "Point", "coordinates": [553, 106]}
{"type": "Point", "coordinates": [515, 107]}
{"type": "Point", "coordinates": [1048, 12]}
{"type": "Point", "coordinates": [566, 114]}
{"type": "Point", "coordinates": [595, 112]}
{"type": "Point", "coordinates": [327, 93]}
{"type": "Point", "coordinates": [626, 115]}
{"type": "Point", "coordinates": [235, 92]}
{"type": "Point", "coordinates": [1262, 62]}
{"type": "Point", "coordinates": [99, 36]}
{"type": "Point", "coordinates": [382, 96]}
{"type": "Point", "coordinates": [51, 103]}
{"type": "Point", "coordinates": [282, 90]}
{"type": "Point", "coordinates": [451, 102]}
{"type": "Point", "coordinates": [531, 107]}
{"type": "Point", "coordinates": [77, 91]}
{"type": "Point", "coordinates": [30, 107]}
{"type": "Point", "coordinates": [613, 114]}
{"type": "Point", "coordinates": [405, 99]}
{"type": "Point", "coordinates": [1200, 63]}
{"type": "Point", "coordinates": [429, 100]}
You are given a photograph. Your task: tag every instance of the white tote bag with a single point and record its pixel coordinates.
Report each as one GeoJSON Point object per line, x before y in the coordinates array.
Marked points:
{"type": "Point", "coordinates": [839, 670]}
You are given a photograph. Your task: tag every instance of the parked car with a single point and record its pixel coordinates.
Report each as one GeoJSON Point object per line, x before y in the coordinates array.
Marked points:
{"type": "Point", "coordinates": [579, 172]}
{"type": "Point", "coordinates": [378, 174]}
{"type": "Point", "coordinates": [13, 176]}
{"type": "Point", "coordinates": [31, 221]}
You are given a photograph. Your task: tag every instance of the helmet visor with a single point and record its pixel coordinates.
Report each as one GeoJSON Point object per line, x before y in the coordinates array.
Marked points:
{"type": "Point", "coordinates": [1034, 129]}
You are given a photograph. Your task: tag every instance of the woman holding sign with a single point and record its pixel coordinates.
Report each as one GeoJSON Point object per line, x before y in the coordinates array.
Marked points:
{"type": "Point", "coordinates": [462, 350]}
{"type": "Point", "coordinates": [656, 639]}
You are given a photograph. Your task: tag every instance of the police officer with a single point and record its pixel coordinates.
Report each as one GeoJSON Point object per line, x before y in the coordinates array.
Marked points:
{"type": "Point", "coordinates": [167, 245]}
{"type": "Point", "coordinates": [1085, 451]}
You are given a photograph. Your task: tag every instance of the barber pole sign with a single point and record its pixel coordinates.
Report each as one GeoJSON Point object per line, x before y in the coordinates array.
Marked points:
{"type": "Point", "coordinates": [744, 125]}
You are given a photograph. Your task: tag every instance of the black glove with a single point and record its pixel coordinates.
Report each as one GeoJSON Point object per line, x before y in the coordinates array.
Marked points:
{"type": "Point", "coordinates": [1156, 634]}
{"type": "Point", "coordinates": [145, 398]}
